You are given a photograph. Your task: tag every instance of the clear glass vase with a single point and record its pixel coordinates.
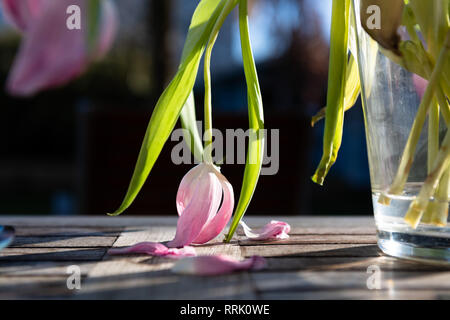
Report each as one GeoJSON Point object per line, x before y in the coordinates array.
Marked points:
{"type": "Point", "coordinates": [391, 97]}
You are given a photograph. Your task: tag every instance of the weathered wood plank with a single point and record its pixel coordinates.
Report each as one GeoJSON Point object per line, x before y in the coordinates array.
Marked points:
{"type": "Point", "coordinates": [68, 231]}
{"type": "Point", "coordinates": [62, 242]}
{"type": "Point", "coordinates": [132, 236]}
{"type": "Point", "coordinates": [358, 294]}
{"type": "Point", "coordinates": [324, 230]}
{"type": "Point", "coordinates": [144, 277]}
{"type": "Point", "coordinates": [312, 250]}
{"type": "Point", "coordinates": [165, 285]}
{"type": "Point", "coordinates": [348, 264]}
{"type": "Point", "coordinates": [316, 222]}
{"type": "Point", "coordinates": [325, 258]}
{"type": "Point", "coordinates": [314, 239]}
{"type": "Point", "coordinates": [52, 254]}
{"type": "Point", "coordinates": [348, 280]}
{"type": "Point", "coordinates": [38, 268]}
{"type": "Point", "coordinates": [49, 287]}
{"type": "Point", "coordinates": [140, 263]}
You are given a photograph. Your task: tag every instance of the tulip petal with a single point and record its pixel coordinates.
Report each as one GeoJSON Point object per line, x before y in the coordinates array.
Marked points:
{"type": "Point", "coordinates": [187, 188]}
{"type": "Point", "coordinates": [202, 208]}
{"type": "Point", "coordinates": [272, 230]}
{"type": "Point", "coordinates": [216, 265]}
{"type": "Point", "coordinates": [155, 249]}
{"type": "Point", "coordinates": [215, 226]}
{"type": "Point", "coordinates": [22, 13]}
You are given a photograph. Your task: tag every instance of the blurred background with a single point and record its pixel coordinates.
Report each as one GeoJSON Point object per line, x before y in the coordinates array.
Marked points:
{"type": "Point", "coordinates": [72, 150]}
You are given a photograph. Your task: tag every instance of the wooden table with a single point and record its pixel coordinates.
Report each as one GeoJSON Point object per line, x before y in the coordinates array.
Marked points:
{"type": "Point", "coordinates": [325, 258]}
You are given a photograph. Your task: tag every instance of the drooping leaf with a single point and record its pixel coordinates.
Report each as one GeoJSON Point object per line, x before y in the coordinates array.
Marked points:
{"type": "Point", "coordinates": [334, 119]}
{"type": "Point", "coordinates": [174, 97]}
{"type": "Point", "coordinates": [256, 122]}
{"type": "Point", "coordinates": [352, 90]}
{"type": "Point", "coordinates": [352, 81]}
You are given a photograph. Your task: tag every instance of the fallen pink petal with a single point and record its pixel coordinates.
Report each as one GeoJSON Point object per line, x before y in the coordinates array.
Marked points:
{"type": "Point", "coordinates": [217, 265]}
{"type": "Point", "coordinates": [271, 231]}
{"type": "Point", "coordinates": [155, 249]}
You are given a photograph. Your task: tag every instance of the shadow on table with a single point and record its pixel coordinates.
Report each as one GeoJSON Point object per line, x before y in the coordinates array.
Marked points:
{"type": "Point", "coordinates": [311, 273]}
{"type": "Point", "coordinates": [298, 272]}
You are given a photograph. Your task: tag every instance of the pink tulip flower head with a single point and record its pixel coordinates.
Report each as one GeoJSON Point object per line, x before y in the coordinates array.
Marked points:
{"type": "Point", "coordinates": [51, 53]}
{"type": "Point", "coordinates": [199, 198]}
{"type": "Point", "coordinates": [205, 202]}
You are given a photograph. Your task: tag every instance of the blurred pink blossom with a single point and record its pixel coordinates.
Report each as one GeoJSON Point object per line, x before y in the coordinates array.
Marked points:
{"type": "Point", "coordinates": [420, 84]}
{"type": "Point", "coordinates": [22, 13]}
{"type": "Point", "coordinates": [50, 54]}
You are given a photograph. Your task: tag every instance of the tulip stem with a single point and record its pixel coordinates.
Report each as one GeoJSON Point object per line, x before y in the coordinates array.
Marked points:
{"type": "Point", "coordinates": [208, 108]}
{"type": "Point", "coordinates": [433, 134]}
{"type": "Point", "coordinates": [255, 150]}
{"type": "Point", "coordinates": [419, 205]}
{"type": "Point", "coordinates": [207, 77]}
{"type": "Point", "coordinates": [408, 153]}
{"type": "Point", "coordinates": [438, 175]}
{"type": "Point", "coordinates": [433, 149]}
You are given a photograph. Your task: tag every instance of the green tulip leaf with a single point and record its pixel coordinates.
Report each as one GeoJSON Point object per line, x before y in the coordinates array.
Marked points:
{"type": "Point", "coordinates": [174, 97]}
{"type": "Point", "coordinates": [334, 120]}
{"type": "Point", "coordinates": [256, 122]}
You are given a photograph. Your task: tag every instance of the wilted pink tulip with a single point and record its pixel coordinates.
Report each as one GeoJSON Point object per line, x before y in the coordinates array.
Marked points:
{"type": "Point", "coordinates": [51, 54]}
{"type": "Point", "coordinates": [201, 217]}
{"type": "Point", "coordinates": [216, 265]}
{"type": "Point", "coordinates": [271, 231]}
{"type": "Point", "coordinates": [198, 200]}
